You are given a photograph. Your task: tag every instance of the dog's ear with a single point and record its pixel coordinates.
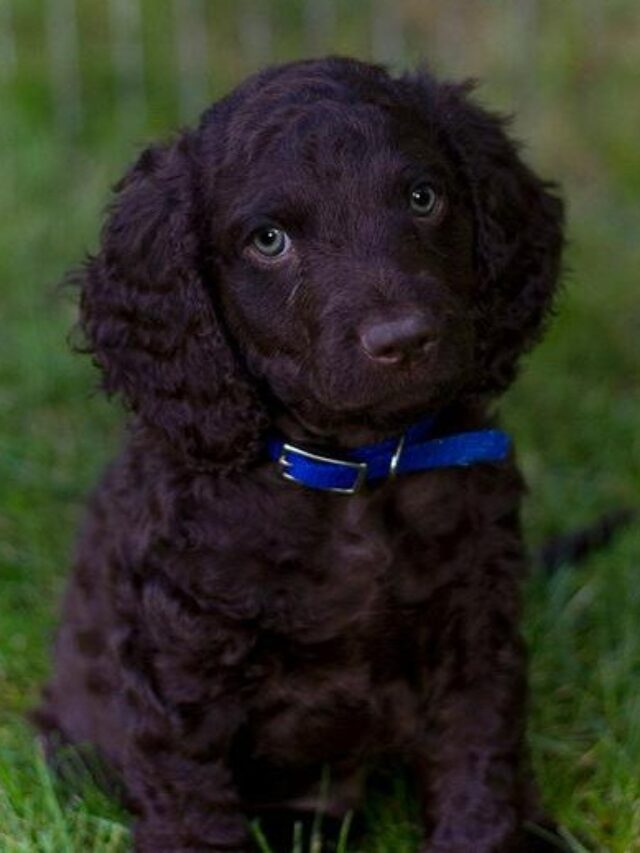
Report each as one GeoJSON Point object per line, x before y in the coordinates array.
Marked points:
{"type": "Point", "coordinates": [518, 221]}
{"type": "Point", "coordinates": [147, 313]}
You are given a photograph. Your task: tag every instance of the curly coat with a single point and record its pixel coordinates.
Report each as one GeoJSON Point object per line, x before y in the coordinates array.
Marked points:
{"type": "Point", "coordinates": [227, 634]}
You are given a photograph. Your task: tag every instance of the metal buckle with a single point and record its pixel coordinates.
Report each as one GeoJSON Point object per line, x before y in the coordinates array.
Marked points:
{"type": "Point", "coordinates": [359, 467]}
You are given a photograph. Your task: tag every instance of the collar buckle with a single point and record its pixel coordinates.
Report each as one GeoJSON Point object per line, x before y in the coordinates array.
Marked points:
{"type": "Point", "coordinates": [359, 468]}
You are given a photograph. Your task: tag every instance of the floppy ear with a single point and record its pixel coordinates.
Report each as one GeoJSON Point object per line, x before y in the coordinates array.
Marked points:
{"type": "Point", "coordinates": [518, 223]}
{"type": "Point", "coordinates": [147, 313]}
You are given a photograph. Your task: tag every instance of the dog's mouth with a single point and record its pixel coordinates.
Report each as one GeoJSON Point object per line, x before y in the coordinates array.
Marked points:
{"type": "Point", "coordinates": [421, 383]}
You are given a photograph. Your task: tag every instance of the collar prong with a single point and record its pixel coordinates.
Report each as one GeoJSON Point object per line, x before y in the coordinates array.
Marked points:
{"type": "Point", "coordinates": [397, 453]}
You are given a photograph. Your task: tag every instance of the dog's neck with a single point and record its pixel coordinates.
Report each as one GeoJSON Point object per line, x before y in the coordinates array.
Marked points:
{"type": "Point", "coordinates": [352, 436]}
{"type": "Point", "coordinates": [453, 418]}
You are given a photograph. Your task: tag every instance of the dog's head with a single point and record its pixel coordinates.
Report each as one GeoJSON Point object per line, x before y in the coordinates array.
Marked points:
{"type": "Point", "coordinates": [331, 242]}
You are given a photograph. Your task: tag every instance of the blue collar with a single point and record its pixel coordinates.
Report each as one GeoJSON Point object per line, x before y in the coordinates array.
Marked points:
{"type": "Point", "coordinates": [413, 451]}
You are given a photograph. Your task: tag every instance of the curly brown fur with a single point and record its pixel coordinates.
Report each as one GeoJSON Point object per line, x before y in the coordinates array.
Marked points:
{"type": "Point", "coordinates": [227, 634]}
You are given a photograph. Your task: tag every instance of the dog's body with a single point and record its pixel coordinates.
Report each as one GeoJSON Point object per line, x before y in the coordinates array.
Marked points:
{"type": "Point", "coordinates": [228, 634]}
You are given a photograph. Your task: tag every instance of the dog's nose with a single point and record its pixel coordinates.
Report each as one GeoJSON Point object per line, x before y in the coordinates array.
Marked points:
{"type": "Point", "coordinates": [393, 339]}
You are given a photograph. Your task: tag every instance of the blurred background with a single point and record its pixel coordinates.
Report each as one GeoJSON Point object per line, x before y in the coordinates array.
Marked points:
{"type": "Point", "coordinates": [83, 85]}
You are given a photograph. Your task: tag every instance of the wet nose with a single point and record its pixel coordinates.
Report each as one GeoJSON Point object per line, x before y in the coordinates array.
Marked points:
{"type": "Point", "coordinates": [404, 336]}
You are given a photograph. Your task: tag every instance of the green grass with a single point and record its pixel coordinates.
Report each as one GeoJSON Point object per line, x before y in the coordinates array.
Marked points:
{"type": "Point", "coordinates": [574, 414]}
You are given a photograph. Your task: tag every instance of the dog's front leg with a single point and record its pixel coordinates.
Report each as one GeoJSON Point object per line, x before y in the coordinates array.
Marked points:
{"type": "Point", "coordinates": [469, 765]}
{"type": "Point", "coordinates": [179, 733]}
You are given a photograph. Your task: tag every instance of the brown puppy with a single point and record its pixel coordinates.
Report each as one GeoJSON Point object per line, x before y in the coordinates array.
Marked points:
{"type": "Point", "coordinates": [331, 255]}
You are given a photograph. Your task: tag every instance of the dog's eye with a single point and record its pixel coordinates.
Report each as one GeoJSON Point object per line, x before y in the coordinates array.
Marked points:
{"type": "Point", "coordinates": [271, 242]}
{"type": "Point", "coordinates": [424, 200]}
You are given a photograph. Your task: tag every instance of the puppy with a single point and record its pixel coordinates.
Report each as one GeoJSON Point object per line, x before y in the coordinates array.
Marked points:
{"type": "Point", "coordinates": [307, 558]}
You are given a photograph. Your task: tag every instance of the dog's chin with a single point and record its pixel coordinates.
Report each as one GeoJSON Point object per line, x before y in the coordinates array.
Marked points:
{"type": "Point", "coordinates": [389, 412]}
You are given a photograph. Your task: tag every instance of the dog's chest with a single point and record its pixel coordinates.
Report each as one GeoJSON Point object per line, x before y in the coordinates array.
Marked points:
{"type": "Point", "coordinates": [357, 567]}
{"type": "Point", "coordinates": [342, 626]}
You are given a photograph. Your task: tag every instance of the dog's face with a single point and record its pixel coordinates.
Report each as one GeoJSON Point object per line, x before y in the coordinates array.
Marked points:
{"type": "Point", "coordinates": [351, 249]}
{"type": "Point", "coordinates": [345, 264]}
